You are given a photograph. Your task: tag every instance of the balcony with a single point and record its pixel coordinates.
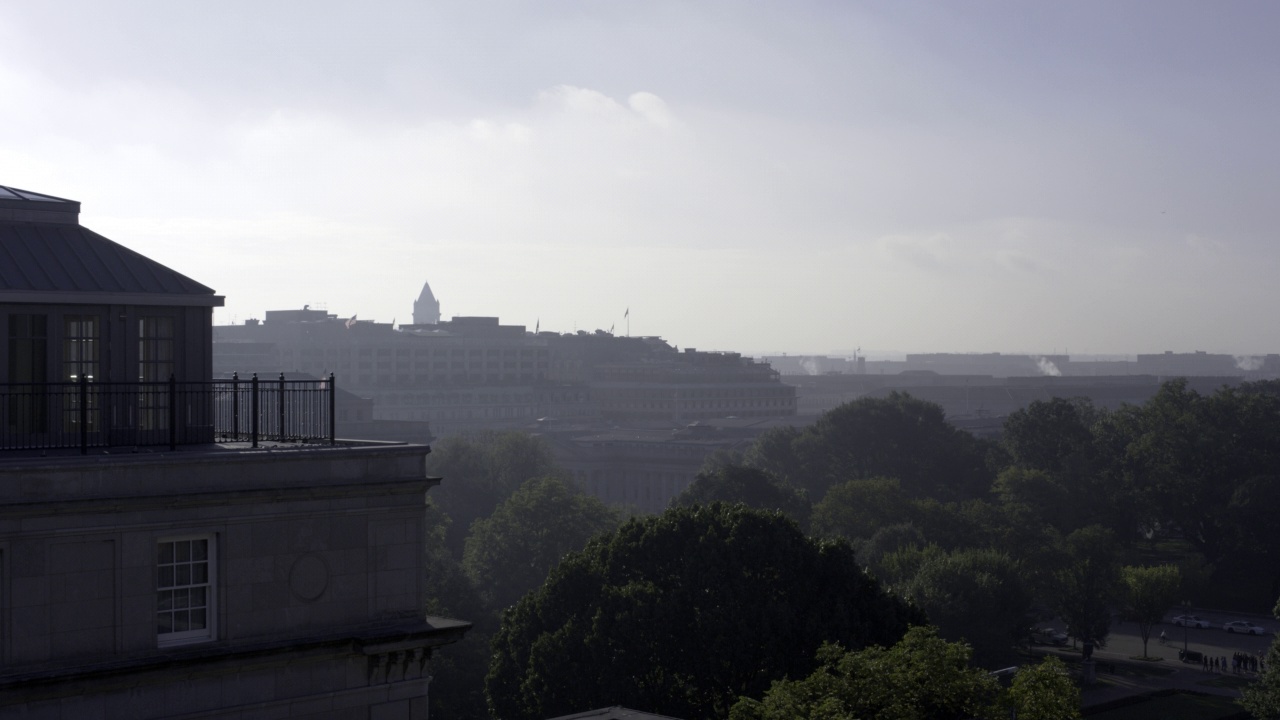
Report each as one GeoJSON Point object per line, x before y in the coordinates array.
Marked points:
{"type": "Point", "coordinates": [88, 414]}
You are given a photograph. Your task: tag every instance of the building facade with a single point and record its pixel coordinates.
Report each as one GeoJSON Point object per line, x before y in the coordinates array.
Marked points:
{"type": "Point", "coordinates": [172, 546]}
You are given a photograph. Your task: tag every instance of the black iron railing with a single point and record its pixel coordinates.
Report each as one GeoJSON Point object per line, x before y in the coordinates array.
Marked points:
{"type": "Point", "coordinates": [88, 414]}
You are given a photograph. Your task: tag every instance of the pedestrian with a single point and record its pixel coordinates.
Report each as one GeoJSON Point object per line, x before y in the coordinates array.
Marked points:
{"type": "Point", "coordinates": [1204, 663]}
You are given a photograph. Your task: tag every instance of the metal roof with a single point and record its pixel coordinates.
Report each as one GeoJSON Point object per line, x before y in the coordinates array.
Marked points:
{"type": "Point", "coordinates": [45, 258]}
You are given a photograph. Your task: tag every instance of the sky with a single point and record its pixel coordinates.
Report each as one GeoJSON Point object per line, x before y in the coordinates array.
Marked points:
{"type": "Point", "coordinates": [1092, 177]}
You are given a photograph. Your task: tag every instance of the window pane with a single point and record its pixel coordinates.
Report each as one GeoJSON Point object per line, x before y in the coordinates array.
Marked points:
{"type": "Point", "coordinates": [166, 576]}
{"type": "Point", "coordinates": [166, 553]}
{"type": "Point", "coordinates": [199, 549]}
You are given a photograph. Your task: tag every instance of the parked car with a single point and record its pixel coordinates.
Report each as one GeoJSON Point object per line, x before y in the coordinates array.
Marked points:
{"type": "Point", "coordinates": [1049, 636]}
{"type": "Point", "coordinates": [1194, 621]}
{"type": "Point", "coordinates": [1243, 626]}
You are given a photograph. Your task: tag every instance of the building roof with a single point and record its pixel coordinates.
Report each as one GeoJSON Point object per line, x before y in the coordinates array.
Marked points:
{"type": "Point", "coordinates": [426, 296]}
{"type": "Point", "coordinates": [47, 256]}
{"type": "Point", "coordinates": [616, 712]}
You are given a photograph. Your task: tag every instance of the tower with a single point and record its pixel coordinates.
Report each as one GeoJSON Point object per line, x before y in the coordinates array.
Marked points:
{"type": "Point", "coordinates": [426, 309]}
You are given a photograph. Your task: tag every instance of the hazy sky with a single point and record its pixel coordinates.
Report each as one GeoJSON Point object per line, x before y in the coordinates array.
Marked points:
{"type": "Point", "coordinates": [1089, 177]}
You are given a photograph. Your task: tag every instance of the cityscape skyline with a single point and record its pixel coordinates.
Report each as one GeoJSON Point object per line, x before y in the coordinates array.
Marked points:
{"type": "Point", "coordinates": [808, 178]}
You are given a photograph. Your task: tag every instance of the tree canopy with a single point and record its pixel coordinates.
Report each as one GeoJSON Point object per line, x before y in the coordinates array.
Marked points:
{"type": "Point", "coordinates": [1148, 593]}
{"type": "Point", "coordinates": [977, 596]}
{"type": "Point", "coordinates": [897, 437]}
{"type": "Point", "coordinates": [480, 470]}
{"type": "Point", "coordinates": [754, 488]}
{"type": "Point", "coordinates": [922, 677]}
{"type": "Point", "coordinates": [511, 552]}
{"type": "Point", "coordinates": [682, 613]}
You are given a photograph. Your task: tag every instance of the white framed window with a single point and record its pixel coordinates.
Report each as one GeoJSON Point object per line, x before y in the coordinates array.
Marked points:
{"type": "Point", "coordinates": [185, 589]}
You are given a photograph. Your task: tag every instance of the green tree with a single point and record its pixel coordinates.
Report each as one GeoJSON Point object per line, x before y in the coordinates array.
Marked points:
{"type": "Point", "coordinates": [749, 486]}
{"type": "Point", "coordinates": [922, 677]}
{"type": "Point", "coordinates": [1191, 457]}
{"type": "Point", "coordinates": [1086, 582]}
{"type": "Point", "coordinates": [510, 552]}
{"type": "Point", "coordinates": [459, 669]}
{"type": "Point", "coordinates": [976, 596]}
{"type": "Point", "coordinates": [897, 436]}
{"type": "Point", "coordinates": [682, 613]}
{"type": "Point", "coordinates": [1051, 435]}
{"type": "Point", "coordinates": [1044, 691]}
{"type": "Point", "coordinates": [774, 452]}
{"type": "Point", "coordinates": [1148, 593]}
{"type": "Point", "coordinates": [856, 509]}
{"type": "Point", "coordinates": [480, 470]}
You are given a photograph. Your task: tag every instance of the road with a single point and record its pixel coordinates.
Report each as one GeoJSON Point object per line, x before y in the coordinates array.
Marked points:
{"type": "Point", "coordinates": [1125, 640]}
{"type": "Point", "coordinates": [1125, 643]}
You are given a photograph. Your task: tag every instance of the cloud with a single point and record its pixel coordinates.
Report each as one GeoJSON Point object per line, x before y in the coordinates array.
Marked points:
{"type": "Point", "coordinates": [651, 107]}
{"type": "Point", "coordinates": [921, 251]}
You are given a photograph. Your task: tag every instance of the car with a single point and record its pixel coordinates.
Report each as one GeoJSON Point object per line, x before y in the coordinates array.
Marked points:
{"type": "Point", "coordinates": [1194, 621]}
{"type": "Point", "coordinates": [1049, 636]}
{"type": "Point", "coordinates": [1243, 626]}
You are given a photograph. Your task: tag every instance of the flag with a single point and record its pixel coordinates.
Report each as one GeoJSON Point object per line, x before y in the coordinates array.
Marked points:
{"type": "Point", "coordinates": [351, 322]}
{"type": "Point", "coordinates": [537, 326]}
{"type": "Point", "coordinates": [611, 328]}
{"type": "Point", "coordinates": [627, 314]}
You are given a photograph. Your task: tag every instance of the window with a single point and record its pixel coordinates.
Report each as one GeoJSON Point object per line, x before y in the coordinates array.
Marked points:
{"type": "Point", "coordinates": [80, 358]}
{"type": "Point", "coordinates": [155, 366]}
{"type": "Point", "coordinates": [184, 590]}
{"type": "Point", "coordinates": [28, 363]}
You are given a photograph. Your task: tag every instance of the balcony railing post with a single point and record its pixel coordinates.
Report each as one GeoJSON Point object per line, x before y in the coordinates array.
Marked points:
{"type": "Point", "coordinates": [173, 412]}
{"type": "Point", "coordinates": [84, 414]}
{"type": "Point", "coordinates": [333, 393]}
{"type": "Point", "coordinates": [235, 405]}
{"type": "Point", "coordinates": [280, 412]}
{"type": "Point", "coordinates": [253, 411]}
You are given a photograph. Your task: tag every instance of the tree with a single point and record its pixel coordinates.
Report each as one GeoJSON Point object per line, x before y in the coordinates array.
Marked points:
{"type": "Point", "coordinates": [977, 596]}
{"type": "Point", "coordinates": [856, 509]}
{"type": "Point", "coordinates": [1051, 435]}
{"type": "Point", "coordinates": [1044, 692]}
{"type": "Point", "coordinates": [481, 470]}
{"type": "Point", "coordinates": [1148, 593]}
{"type": "Point", "coordinates": [1085, 583]}
{"type": "Point", "coordinates": [459, 672]}
{"type": "Point", "coordinates": [922, 677]}
{"type": "Point", "coordinates": [774, 452]}
{"type": "Point", "coordinates": [682, 613]}
{"type": "Point", "coordinates": [897, 436]}
{"type": "Point", "coordinates": [512, 551]}
{"type": "Point", "coordinates": [749, 486]}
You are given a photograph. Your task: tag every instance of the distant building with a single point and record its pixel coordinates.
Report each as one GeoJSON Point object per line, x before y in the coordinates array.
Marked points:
{"type": "Point", "coordinates": [475, 373]}
{"type": "Point", "coordinates": [173, 545]}
{"type": "Point", "coordinates": [426, 309]}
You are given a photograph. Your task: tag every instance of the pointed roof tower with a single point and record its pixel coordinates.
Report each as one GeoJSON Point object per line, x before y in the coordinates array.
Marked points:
{"type": "Point", "coordinates": [426, 309]}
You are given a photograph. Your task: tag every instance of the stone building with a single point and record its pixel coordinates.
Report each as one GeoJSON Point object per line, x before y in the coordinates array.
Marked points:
{"type": "Point", "coordinates": [175, 546]}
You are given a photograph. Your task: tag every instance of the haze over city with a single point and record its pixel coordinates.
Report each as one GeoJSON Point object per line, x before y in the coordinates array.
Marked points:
{"type": "Point", "coordinates": [807, 177]}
